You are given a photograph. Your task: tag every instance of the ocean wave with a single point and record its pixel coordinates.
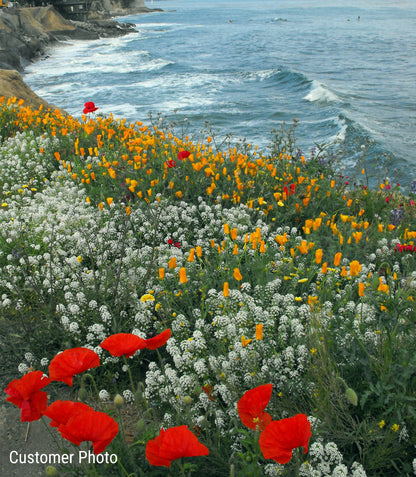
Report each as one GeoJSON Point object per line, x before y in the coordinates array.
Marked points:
{"type": "Point", "coordinates": [320, 93]}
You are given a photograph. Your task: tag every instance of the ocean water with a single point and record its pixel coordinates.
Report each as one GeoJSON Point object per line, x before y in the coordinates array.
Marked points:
{"type": "Point", "coordinates": [346, 70]}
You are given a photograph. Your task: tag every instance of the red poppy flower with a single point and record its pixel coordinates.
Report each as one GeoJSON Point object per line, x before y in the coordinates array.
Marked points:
{"type": "Point", "coordinates": [61, 411]}
{"type": "Point", "coordinates": [172, 444]}
{"type": "Point", "coordinates": [177, 245]}
{"type": "Point", "coordinates": [26, 394]}
{"type": "Point", "coordinates": [251, 407]}
{"type": "Point", "coordinates": [97, 427]}
{"type": "Point", "coordinates": [183, 155]}
{"type": "Point", "coordinates": [72, 361]}
{"type": "Point", "coordinates": [89, 107]}
{"type": "Point", "coordinates": [123, 344]}
{"type": "Point", "coordinates": [158, 340]}
{"type": "Point", "coordinates": [170, 241]}
{"type": "Point", "coordinates": [208, 390]}
{"type": "Point", "coordinates": [279, 438]}
{"type": "Point", "coordinates": [171, 163]}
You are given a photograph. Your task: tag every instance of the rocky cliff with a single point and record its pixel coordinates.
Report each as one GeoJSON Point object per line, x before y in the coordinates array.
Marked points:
{"type": "Point", "coordinates": [12, 86]}
{"type": "Point", "coordinates": [26, 33]}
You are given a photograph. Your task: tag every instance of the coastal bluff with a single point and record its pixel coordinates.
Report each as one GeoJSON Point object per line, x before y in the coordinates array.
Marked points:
{"type": "Point", "coordinates": [13, 86]}
{"type": "Point", "coordinates": [26, 33]}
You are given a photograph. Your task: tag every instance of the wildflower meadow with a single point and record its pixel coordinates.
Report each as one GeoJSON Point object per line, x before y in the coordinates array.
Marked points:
{"type": "Point", "coordinates": [199, 306]}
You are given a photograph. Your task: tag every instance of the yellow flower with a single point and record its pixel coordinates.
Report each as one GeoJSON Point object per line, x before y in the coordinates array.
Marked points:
{"type": "Point", "coordinates": [198, 251]}
{"type": "Point", "coordinates": [109, 200]}
{"type": "Point", "coordinates": [318, 256]}
{"type": "Point", "coordinates": [245, 342]}
{"type": "Point", "coordinates": [172, 263]}
{"type": "Point", "coordinates": [381, 424]}
{"type": "Point", "coordinates": [395, 427]}
{"type": "Point", "coordinates": [233, 233]}
{"type": "Point", "coordinates": [161, 273]}
{"type": "Point", "coordinates": [237, 274]}
{"type": "Point", "coordinates": [182, 275]}
{"type": "Point", "coordinates": [324, 268]}
{"type": "Point", "coordinates": [259, 332]}
{"type": "Point", "coordinates": [147, 297]}
{"type": "Point", "coordinates": [226, 290]}
{"type": "Point", "coordinates": [79, 258]}
{"type": "Point", "coordinates": [361, 288]}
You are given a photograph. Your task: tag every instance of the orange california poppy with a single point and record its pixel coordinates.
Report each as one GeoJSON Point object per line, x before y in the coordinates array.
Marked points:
{"type": "Point", "coordinates": [61, 411]}
{"type": "Point", "coordinates": [121, 344]}
{"type": "Point", "coordinates": [237, 274]}
{"type": "Point", "coordinates": [26, 394]}
{"type": "Point", "coordinates": [279, 438]}
{"type": "Point", "coordinates": [172, 444]}
{"type": "Point", "coordinates": [252, 405]}
{"type": "Point", "coordinates": [158, 340]}
{"type": "Point", "coordinates": [97, 427]}
{"type": "Point", "coordinates": [72, 361]}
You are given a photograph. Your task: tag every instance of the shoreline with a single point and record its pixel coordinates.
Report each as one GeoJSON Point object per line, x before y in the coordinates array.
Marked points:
{"type": "Point", "coordinates": [26, 34]}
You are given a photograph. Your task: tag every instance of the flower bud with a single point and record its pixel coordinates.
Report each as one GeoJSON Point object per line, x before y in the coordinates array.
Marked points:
{"type": "Point", "coordinates": [188, 400]}
{"type": "Point", "coordinates": [351, 396]}
{"type": "Point", "coordinates": [118, 401]}
{"type": "Point", "coordinates": [83, 394]}
{"type": "Point", "coordinates": [141, 426]}
{"type": "Point", "coordinates": [51, 471]}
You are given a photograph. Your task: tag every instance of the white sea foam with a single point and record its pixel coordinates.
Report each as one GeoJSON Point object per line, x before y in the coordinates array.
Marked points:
{"type": "Point", "coordinates": [320, 93]}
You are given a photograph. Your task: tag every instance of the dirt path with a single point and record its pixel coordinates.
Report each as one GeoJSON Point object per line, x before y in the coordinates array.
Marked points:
{"type": "Point", "coordinates": [13, 442]}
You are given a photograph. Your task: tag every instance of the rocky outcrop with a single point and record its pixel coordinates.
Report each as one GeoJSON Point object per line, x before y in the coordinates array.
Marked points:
{"type": "Point", "coordinates": [117, 8]}
{"type": "Point", "coordinates": [25, 33]}
{"type": "Point", "coordinates": [12, 86]}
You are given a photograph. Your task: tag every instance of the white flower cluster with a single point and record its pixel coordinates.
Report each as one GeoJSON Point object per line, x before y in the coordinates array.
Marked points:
{"type": "Point", "coordinates": [213, 364]}
{"type": "Point", "coordinates": [327, 461]}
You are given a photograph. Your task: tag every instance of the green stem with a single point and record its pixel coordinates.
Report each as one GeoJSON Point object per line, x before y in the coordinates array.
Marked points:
{"type": "Point", "coordinates": [51, 433]}
{"type": "Point", "coordinates": [123, 468]}
{"type": "Point", "coordinates": [129, 373]}
{"type": "Point", "coordinates": [87, 375]}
